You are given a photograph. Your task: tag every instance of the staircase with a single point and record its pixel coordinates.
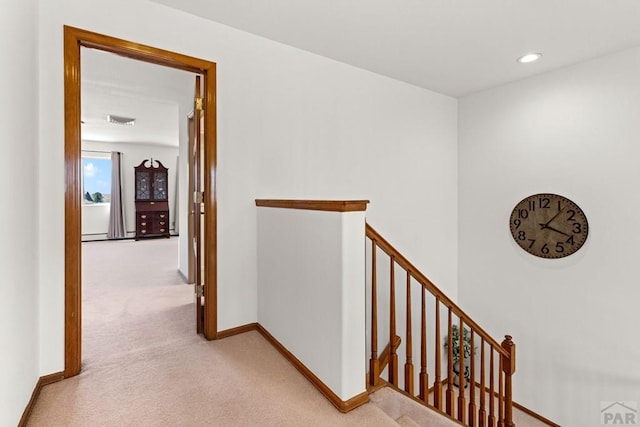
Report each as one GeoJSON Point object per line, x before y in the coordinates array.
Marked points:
{"type": "Point", "coordinates": [407, 412]}
{"type": "Point", "coordinates": [448, 342]}
{"type": "Point", "coordinates": [418, 341]}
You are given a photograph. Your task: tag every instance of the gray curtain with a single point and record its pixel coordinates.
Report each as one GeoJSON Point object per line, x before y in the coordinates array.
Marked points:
{"type": "Point", "coordinates": [116, 213]}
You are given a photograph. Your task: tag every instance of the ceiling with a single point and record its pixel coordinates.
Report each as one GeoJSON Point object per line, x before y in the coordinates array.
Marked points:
{"type": "Point", "coordinates": [152, 94]}
{"type": "Point", "coordinates": [455, 47]}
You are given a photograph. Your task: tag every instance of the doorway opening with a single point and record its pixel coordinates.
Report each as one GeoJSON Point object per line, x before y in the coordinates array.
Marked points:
{"type": "Point", "coordinates": [74, 39]}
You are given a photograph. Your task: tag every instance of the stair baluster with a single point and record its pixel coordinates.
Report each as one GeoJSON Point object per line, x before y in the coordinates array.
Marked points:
{"type": "Point", "coordinates": [437, 386]}
{"type": "Point", "coordinates": [374, 363]}
{"type": "Point", "coordinates": [449, 396]}
{"type": "Point", "coordinates": [492, 392]}
{"type": "Point", "coordinates": [424, 376]}
{"type": "Point", "coordinates": [393, 356]}
{"type": "Point", "coordinates": [462, 404]}
{"type": "Point", "coordinates": [472, 384]}
{"type": "Point", "coordinates": [482, 414]}
{"type": "Point", "coordinates": [500, 394]}
{"type": "Point", "coordinates": [408, 366]}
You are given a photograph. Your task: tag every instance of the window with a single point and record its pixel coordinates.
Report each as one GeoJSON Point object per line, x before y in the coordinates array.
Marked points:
{"type": "Point", "coordinates": [96, 178]}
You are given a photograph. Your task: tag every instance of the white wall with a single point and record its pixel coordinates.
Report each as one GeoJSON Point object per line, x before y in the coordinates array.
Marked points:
{"type": "Point", "coordinates": [18, 175]}
{"type": "Point", "coordinates": [575, 320]}
{"type": "Point", "coordinates": [311, 291]}
{"type": "Point", "coordinates": [132, 155]}
{"type": "Point", "coordinates": [290, 124]}
{"type": "Point", "coordinates": [95, 221]}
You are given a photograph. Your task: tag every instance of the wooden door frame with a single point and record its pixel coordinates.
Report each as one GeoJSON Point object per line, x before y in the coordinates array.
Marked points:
{"type": "Point", "coordinates": [74, 39]}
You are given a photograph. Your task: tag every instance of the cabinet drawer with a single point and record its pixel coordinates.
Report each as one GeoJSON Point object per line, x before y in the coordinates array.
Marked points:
{"type": "Point", "coordinates": [152, 223]}
{"type": "Point", "coordinates": [146, 219]}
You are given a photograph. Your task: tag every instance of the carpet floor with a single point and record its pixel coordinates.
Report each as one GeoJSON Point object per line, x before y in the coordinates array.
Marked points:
{"type": "Point", "coordinates": [144, 365]}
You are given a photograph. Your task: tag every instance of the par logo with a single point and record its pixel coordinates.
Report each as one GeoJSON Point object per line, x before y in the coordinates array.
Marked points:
{"type": "Point", "coordinates": [620, 413]}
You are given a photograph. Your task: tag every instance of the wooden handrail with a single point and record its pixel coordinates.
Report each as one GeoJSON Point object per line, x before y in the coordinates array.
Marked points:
{"type": "Point", "coordinates": [315, 205]}
{"type": "Point", "coordinates": [383, 244]}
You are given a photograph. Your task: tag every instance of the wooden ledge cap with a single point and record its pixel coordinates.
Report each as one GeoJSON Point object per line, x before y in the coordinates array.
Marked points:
{"type": "Point", "coordinates": [315, 205]}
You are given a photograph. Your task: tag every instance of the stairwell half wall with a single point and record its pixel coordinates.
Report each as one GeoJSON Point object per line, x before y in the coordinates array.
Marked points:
{"type": "Point", "coordinates": [311, 291]}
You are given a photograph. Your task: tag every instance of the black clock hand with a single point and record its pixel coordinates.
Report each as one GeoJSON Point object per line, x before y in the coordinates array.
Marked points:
{"type": "Point", "coordinates": [553, 217]}
{"type": "Point", "coordinates": [554, 229]}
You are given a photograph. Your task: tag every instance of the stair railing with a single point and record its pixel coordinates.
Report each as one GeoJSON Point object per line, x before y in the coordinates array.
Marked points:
{"type": "Point", "coordinates": [472, 398]}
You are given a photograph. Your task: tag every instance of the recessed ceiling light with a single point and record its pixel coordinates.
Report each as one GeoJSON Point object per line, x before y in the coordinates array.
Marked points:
{"type": "Point", "coordinates": [529, 57]}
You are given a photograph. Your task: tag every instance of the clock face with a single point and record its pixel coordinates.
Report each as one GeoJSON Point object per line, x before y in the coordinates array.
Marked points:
{"type": "Point", "coordinates": [548, 226]}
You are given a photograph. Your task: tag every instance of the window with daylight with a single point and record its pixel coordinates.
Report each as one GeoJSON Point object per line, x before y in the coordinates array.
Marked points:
{"type": "Point", "coordinates": [96, 179]}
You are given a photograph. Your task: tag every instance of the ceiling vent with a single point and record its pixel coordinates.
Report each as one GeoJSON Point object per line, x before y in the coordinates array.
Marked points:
{"type": "Point", "coordinates": [119, 120]}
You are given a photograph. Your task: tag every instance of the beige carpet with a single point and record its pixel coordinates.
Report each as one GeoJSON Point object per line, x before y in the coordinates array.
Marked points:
{"type": "Point", "coordinates": [145, 366]}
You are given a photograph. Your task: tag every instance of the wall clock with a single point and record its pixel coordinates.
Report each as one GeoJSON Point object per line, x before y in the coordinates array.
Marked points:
{"type": "Point", "coordinates": [548, 225]}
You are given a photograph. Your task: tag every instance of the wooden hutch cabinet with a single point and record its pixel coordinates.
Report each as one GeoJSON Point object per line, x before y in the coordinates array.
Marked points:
{"type": "Point", "coordinates": [152, 199]}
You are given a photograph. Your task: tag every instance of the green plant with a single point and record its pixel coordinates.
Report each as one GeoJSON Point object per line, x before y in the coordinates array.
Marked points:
{"type": "Point", "coordinates": [455, 343]}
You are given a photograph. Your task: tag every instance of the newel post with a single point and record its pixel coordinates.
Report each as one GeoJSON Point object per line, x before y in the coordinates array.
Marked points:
{"type": "Point", "coordinates": [508, 367]}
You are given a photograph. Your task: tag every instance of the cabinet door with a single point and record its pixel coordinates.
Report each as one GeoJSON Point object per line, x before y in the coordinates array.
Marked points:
{"type": "Point", "coordinates": [160, 185]}
{"type": "Point", "coordinates": [143, 185]}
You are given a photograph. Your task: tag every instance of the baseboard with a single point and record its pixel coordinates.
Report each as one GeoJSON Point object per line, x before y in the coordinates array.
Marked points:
{"type": "Point", "coordinates": [184, 278]}
{"type": "Point", "coordinates": [237, 330]}
{"type": "Point", "coordinates": [341, 405]}
{"type": "Point", "coordinates": [42, 381]}
{"type": "Point", "coordinates": [534, 415]}
{"type": "Point", "coordinates": [523, 408]}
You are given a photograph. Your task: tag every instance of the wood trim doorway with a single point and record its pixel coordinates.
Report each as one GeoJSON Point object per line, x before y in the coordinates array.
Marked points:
{"type": "Point", "coordinates": [74, 39]}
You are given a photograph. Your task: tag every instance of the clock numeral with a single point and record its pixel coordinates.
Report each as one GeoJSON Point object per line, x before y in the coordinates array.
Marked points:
{"type": "Point", "coordinates": [517, 223]}
{"type": "Point", "coordinates": [532, 243]}
{"type": "Point", "coordinates": [577, 227]}
{"type": "Point", "coordinates": [559, 206]}
{"type": "Point", "coordinates": [545, 203]}
{"type": "Point", "coordinates": [571, 214]}
{"type": "Point", "coordinates": [544, 249]}
{"type": "Point", "coordinates": [559, 247]}
{"type": "Point", "coordinates": [522, 236]}
{"type": "Point", "coordinates": [532, 205]}
{"type": "Point", "coordinates": [570, 240]}
{"type": "Point", "coordinates": [523, 213]}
